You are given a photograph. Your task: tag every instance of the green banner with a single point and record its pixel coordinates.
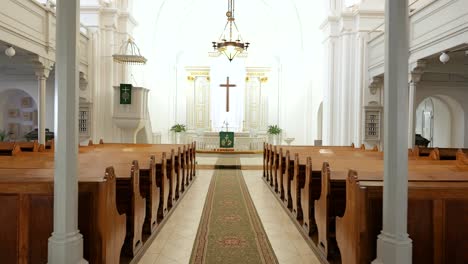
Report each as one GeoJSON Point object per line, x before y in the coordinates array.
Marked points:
{"type": "Point", "coordinates": [125, 93]}
{"type": "Point", "coordinates": [226, 139]}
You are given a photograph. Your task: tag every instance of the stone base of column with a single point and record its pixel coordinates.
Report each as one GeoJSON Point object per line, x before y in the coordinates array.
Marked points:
{"type": "Point", "coordinates": [66, 248]}
{"type": "Point", "coordinates": [391, 249]}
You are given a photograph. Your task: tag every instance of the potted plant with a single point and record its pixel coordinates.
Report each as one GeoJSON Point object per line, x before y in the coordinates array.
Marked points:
{"type": "Point", "coordinates": [178, 130]}
{"type": "Point", "coordinates": [3, 135]}
{"type": "Point", "coordinates": [275, 134]}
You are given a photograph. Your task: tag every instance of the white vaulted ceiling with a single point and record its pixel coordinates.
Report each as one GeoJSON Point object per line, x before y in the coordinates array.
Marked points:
{"type": "Point", "coordinates": [178, 30]}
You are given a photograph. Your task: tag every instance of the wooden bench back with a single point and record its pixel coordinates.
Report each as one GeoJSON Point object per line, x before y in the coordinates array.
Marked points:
{"type": "Point", "coordinates": [437, 213]}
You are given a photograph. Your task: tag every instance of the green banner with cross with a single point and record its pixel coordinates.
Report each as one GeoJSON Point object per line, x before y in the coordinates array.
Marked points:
{"type": "Point", "coordinates": [125, 93]}
{"type": "Point", "coordinates": [226, 139]}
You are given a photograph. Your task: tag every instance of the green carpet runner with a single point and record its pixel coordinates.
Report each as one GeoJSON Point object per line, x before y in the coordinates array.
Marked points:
{"type": "Point", "coordinates": [230, 230]}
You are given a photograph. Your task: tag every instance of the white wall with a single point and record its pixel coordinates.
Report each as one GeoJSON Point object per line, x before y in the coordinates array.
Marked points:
{"type": "Point", "coordinates": [31, 87]}
{"type": "Point", "coordinates": [442, 122]}
{"type": "Point", "coordinates": [12, 100]}
{"type": "Point", "coordinates": [284, 37]}
{"type": "Point", "coordinates": [455, 98]}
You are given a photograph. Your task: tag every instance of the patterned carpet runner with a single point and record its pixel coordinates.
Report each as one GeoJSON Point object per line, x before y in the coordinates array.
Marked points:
{"type": "Point", "coordinates": [230, 230]}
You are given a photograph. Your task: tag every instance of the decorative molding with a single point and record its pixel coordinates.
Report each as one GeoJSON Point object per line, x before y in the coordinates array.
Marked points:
{"type": "Point", "coordinates": [374, 84]}
{"type": "Point", "coordinates": [42, 66]}
{"type": "Point", "coordinates": [83, 81]}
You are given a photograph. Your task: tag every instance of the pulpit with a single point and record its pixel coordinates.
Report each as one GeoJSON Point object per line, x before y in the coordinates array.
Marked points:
{"type": "Point", "coordinates": [130, 112]}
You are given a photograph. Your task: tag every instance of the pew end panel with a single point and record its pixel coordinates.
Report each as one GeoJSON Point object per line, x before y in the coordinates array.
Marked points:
{"type": "Point", "coordinates": [350, 228]}
{"type": "Point", "coordinates": [287, 178]}
{"type": "Point", "coordinates": [296, 185]}
{"type": "Point", "coordinates": [309, 194]}
{"type": "Point", "coordinates": [151, 193]}
{"type": "Point", "coordinates": [163, 182]}
{"type": "Point", "coordinates": [279, 174]}
{"type": "Point", "coordinates": [173, 179]}
{"type": "Point", "coordinates": [111, 224]}
{"type": "Point", "coordinates": [130, 202]}
{"type": "Point", "coordinates": [331, 203]}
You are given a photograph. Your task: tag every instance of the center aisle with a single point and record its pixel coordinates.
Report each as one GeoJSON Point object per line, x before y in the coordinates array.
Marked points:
{"type": "Point", "coordinates": [174, 243]}
{"type": "Point", "coordinates": [230, 230]}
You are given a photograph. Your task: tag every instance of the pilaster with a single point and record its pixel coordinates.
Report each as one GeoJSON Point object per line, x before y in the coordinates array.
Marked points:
{"type": "Point", "coordinates": [42, 68]}
{"type": "Point", "coordinates": [414, 78]}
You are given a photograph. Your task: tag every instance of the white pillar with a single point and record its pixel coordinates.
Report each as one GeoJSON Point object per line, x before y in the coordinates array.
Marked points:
{"type": "Point", "coordinates": [66, 242]}
{"type": "Point", "coordinates": [393, 243]}
{"type": "Point", "coordinates": [42, 69]}
{"type": "Point", "coordinates": [411, 113]}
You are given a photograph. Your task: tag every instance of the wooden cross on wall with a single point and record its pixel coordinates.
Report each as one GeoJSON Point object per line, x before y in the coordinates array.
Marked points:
{"type": "Point", "coordinates": [227, 85]}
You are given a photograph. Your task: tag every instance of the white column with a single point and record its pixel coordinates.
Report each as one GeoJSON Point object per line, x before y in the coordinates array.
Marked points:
{"type": "Point", "coordinates": [66, 242]}
{"type": "Point", "coordinates": [41, 109]}
{"type": "Point", "coordinates": [393, 243]}
{"type": "Point", "coordinates": [42, 69]}
{"type": "Point", "coordinates": [411, 113]}
{"type": "Point", "coordinates": [329, 93]}
{"type": "Point", "coordinates": [346, 87]}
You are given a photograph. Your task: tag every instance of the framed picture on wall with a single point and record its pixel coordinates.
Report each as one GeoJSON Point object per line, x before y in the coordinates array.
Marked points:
{"type": "Point", "coordinates": [13, 113]}
{"type": "Point", "coordinates": [26, 102]}
{"type": "Point", "coordinates": [13, 130]}
{"type": "Point", "coordinates": [27, 116]}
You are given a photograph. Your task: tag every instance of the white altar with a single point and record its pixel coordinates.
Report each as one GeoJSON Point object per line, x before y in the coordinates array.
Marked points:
{"type": "Point", "coordinates": [243, 141]}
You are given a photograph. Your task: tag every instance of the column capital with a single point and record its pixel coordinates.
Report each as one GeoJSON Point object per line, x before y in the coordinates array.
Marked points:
{"type": "Point", "coordinates": [375, 83]}
{"type": "Point", "coordinates": [42, 66]}
{"type": "Point", "coordinates": [417, 70]}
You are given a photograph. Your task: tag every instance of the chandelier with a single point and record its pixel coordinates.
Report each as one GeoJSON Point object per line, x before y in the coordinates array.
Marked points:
{"type": "Point", "coordinates": [130, 54]}
{"type": "Point", "coordinates": [230, 41]}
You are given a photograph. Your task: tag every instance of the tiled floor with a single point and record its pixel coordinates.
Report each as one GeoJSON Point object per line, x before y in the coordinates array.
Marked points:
{"type": "Point", "coordinates": [173, 245]}
{"type": "Point", "coordinates": [175, 241]}
{"type": "Point", "coordinates": [287, 242]}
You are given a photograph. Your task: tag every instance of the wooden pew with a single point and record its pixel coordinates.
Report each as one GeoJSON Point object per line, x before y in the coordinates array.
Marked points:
{"type": "Point", "coordinates": [331, 202]}
{"type": "Point", "coordinates": [298, 183]}
{"type": "Point", "coordinates": [271, 152]}
{"type": "Point", "coordinates": [50, 145]}
{"type": "Point", "coordinates": [150, 190]}
{"type": "Point", "coordinates": [27, 215]}
{"type": "Point", "coordinates": [298, 177]}
{"type": "Point", "coordinates": [164, 185]}
{"type": "Point", "coordinates": [181, 171]}
{"type": "Point", "coordinates": [9, 149]}
{"type": "Point", "coordinates": [177, 172]}
{"type": "Point", "coordinates": [462, 158]}
{"type": "Point", "coordinates": [32, 146]}
{"type": "Point", "coordinates": [131, 203]}
{"type": "Point", "coordinates": [279, 160]}
{"type": "Point", "coordinates": [437, 215]}
{"type": "Point", "coordinates": [441, 153]}
{"type": "Point", "coordinates": [109, 157]}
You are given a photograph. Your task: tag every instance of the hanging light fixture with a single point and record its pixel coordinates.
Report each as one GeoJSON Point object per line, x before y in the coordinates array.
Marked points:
{"type": "Point", "coordinates": [444, 57]}
{"type": "Point", "coordinates": [130, 54]}
{"type": "Point", "coordinates": [230, 41]}
{"type": "Point", "coordinates": [10, 51]}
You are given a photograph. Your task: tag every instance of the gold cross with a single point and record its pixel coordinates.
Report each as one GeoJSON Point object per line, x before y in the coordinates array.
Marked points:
{"type": "Point", "coordinates": [227, 85]}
